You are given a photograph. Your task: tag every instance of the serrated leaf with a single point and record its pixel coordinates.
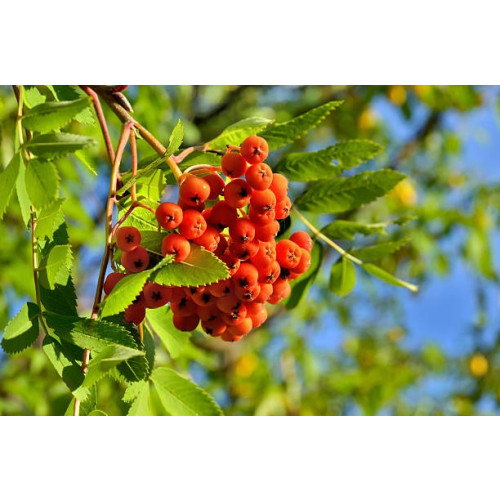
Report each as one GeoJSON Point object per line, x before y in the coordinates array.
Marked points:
{"type": "Point", "coordinates": [108, 358]}
{"type": "Point", "coordinates": [346, 193]}
{"type": "Point", "coordinates": [49, 219]}
{"type": "Point", "coordinates": [305, 167]}
{"type": "Point", "coordinates": [22, 195]}
{"type": "Point", "coordinates": [22, 330]}
{"type": "Point", "coordinates": [302, 284]}
{"type": "Point", "coordinates": [200, 268]}
{"type": "Point", "coordinates": [180, 396]}
{"type": "Point", "coordinates": [161, 323]}
{"type": "Point", "coordinates": [201, 157]}
{"type": "Point", "coordinates": [175, 139]}
{"type": "Point", "coordinates": [56, 268]}
{"type": "Point", "coordinates": [377, 252]}
{"type": "Point", "coordinates": [85, 161]}
{"type": "Point", "coordinates": [8, 179]}
{"type": "Point", "coordinates": [281, 134]}
{"type": "Point", "coordinates": [50, 116]}
{"type": "Point", "coordinates": [149, 349]}
{"type": "Point", "coordinates": [48, 146]}
{"type": "Point", "coordinates": [32, 96]}
{"type": "Point", "coordinates": [68, 93]}
{"type": "Point", "coordinates": [387, 277]}
{"type": "Point", "coordinates": [94, 335]}
{"type": "Point", "coordinates": [141, 218]}
{"type": "Point", "coordinates": [66, 359]}
{"type": "Point", "coordinates": [140, 406]}
{"type": "Point", "coordinates": [129, 288]}
{"type": "Point", "coordinates": [342, 277]}
{"type": "Point", "coordinates": [237, 132]}
{"type": "Point", "coordinates": [151, 241]}
{"type": "Point", "coordinates": [60, 300]}
{"type": "Point", "coordinates": [42, 183]}
{"type": "Point", "coordinates": [346, 230]}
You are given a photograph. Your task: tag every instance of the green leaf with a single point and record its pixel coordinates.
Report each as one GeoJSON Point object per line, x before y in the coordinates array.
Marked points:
{"type": "Point", "coordinates": [151, 241]}
{"type": "Point", "coordinates": [139, 392]}
{"type": "Point", "coordinates": [387, 277]}
{"type": "Point", "coordinates": [108, 358]}
{"type": "Point", "coordinates": [150, 349]}
{"type": "Point", "coordinates": [199, 157]}
{"type": "Point", "coordinates": [180, 396]}
{"type": "Point", "coordinates": [32, 96]}
{"type": "Point", "coordinates": [175, 140]}
{"type": "Point", "coordinates": [56, 268]}
{"type": "Point", "coordinates": [281, 134]}
{"type": "Point", "coordinates": [305, 167]}
{"type": "Point", "coordinates": [200, 268]}
{"type": "Point", "coordinates": [49, 219]}
{"type": "Point", "coordinates": [301, 285]}
{"type": "Point", "coordinates": [8, 179]}
{"type": "Point", "coordinates": [97, 413]}
{"type": "Point", "coordinates": [160, 321]}
{"type": "Point", "coordinates": [22, 195]}
{"type": "Point", "coordinates": [50, 116]}
{"type": "Point", "coordinates": [42, 183]}
{"type": "Point", "coordinates": [342, 277]}
{"type": "Point", "coordinates": [48, 146]}
{"type": "Point", "coordinates": [343, 194]}
{"type": "Point", "coordinates": [377, 252]}
{"type": "Point", "coordinates": [69, 93]}
{"type": "Point", "coordinates": [66, 359]}
{"type": "Point", "coordinates": [94, 335]}
{"type": "Point", "coordinates": [235, 134]}
{"type": "Point", "coordinates": [85, 161]}
{"type": "Point", "coordinates": [346, 230]}
{"type": "Point", "coordinates": [22, 330]}
{"type": "Point", "coordinates": [141, 218]}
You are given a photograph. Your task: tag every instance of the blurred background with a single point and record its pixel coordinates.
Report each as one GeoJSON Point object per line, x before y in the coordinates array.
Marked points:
{"type": "Point", "coordinates": [379, 350]}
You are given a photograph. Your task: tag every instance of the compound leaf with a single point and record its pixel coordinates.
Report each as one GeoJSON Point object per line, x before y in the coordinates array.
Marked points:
{"type": "Point", "coordinates": [22, 330]}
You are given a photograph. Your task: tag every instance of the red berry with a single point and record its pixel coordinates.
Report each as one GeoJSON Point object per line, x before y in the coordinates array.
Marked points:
{"type": "Point", "coordinates": [128, 238]}
{"type": "Point", "coordinates": [185, 323]}
{"type": "Point", "coordinates": [265, 255]}
{"type": "Point", "coordinates": [228, 303]}
{"type": "Point", "coordinates": [259, 176]}
{"type": "Point", "coordinates": [283, 207]}
{"type": "Point", "coordinates": [246, 276]}
{"type": "Point", "coordinates": [279, 186]}
{"type": "Point", "coordinates": [156, 295]}
{"type": "Point", "coordinates": [302, 239]}
{"type": "Point", "coordinates": [269, 274]}
{"type": "Point", "coordinates": [136, 311]}
{"type": "Point", "coordinates": [214, 327]}
{"type": "Point", "coordinates": [216, 184]}
{"type": "Point", "coordinates": [242, 230]}
{"type": "Point", "coordinates": [232, 262]}
{"type": "Point", "coordinates": [193, 225]}
{"type": "Point", "coordinates": [247, 294]}
{"type": "Point", "coordinates": [186, 307]}
{"type": "Point", "coordinates": [263, 202]}
{"type": "Point", "coordinates": [267, 232]}
{"type": "Point", "coordinates": [304, 263]}
{"type": "Point", "coordinates": [177, 294]}
{"type": "Point", "coordinates": [203, 298]}
{"type": "Point", "coordinates": [221, 288]}
{"type": "Point", "coordinates": [261, 219]}
{"type": "Point", "coordinates": [257, 313]}
{"type": "Point", "coordinates": [194, 191]}
{"type": "Point", "coordinates": [118, 88]}
{"type": "Point", "coordinates": [222, 215]}
{"type": "Point", "coordinates": [176, 244]}
{"type": "Point", "coordinates": [235, 316]}
{"type": "Point", "coordinates": [209, 239]}
{"type": "Point", "coordinates": [221, 247]}
{"type": "Point", "coordinates": [237, 193]}
{"type": "Point", "coordinates": [111, 280]}
{"type": "Point", "coordinates": [243, 251]}
{"type": "Point", "coordinates": [254, 149]}
{"type": "Point", "coordinates": [288, 254]}
{"type": "Point", "coordinates": [207, 313]}
{"type": "Point", "coordinates": [266, 290]}
{"type": "Point", "coordinates": [233, 165]}
{"type": "Point", "coordinates": [169, 215]}
{"type": "Point", "coordinates": [135, 260]}
{"type": "Point", "coordinates": [282, 288]}
{"type": "Point", "coordinates": [242, 328]}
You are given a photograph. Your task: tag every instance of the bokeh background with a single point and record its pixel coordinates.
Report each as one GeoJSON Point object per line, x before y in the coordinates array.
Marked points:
{"type": "Point", "coordinates": [379, 350]}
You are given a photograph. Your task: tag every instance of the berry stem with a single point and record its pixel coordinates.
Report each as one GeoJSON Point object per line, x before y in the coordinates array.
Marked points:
{"type": "Point", "coordinates": [125, 117]}
{"type": "Point", "coordinates": [102, 122]}
{"type": "Point", "coordinates": [133, 147]}
{"type": "Point", "coordinates": [341, 251]}
{"type": "Point", "coordinates": [107, 248]}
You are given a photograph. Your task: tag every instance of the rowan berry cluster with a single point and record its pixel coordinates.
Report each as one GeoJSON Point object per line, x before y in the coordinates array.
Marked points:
{"type": "Point", "coordinates": [239, 227]}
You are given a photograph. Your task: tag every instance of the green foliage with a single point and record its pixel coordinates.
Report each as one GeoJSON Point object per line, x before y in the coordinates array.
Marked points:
{"type": "Point", "coordinates": [42, 183]}
{"type": "Point", "coordinates": [305, 167]}
{"type": "Point", "coordinates": [200, 268]}
{"type": "Point", "coordinates": [8, 180]}
{"type": "Point", "coordinates": [22, 194]}
{"type": "Point", "coordinates": [56, 268]}
{"type": "Point", "coordinates": [236, 133]}
{"type": "Point", "coordinates": [342, 277]}
{"type": "Point", "coordinates": [180, 396]}
{"type": "Point", "coordinates": [50, 116]}
{"type": "Point", "coordinates": [55, 145]}
{"type": "Point", "coordinates": [346, 229]}
{"type": "Point", "coordinates": [343, 194]}
{"type": "Point", "coordinates": [385, 276]}
{"type": "Point", "coordinates": [281, 134]}
{"type": "Point", "coordinates": [377, 252]}
{"type": "Point", "coordinates": [160, 321]}
{"type": "Point", "coordinates": [48, 220]}
{"type": "Point", "coordinates": [22, 330]}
